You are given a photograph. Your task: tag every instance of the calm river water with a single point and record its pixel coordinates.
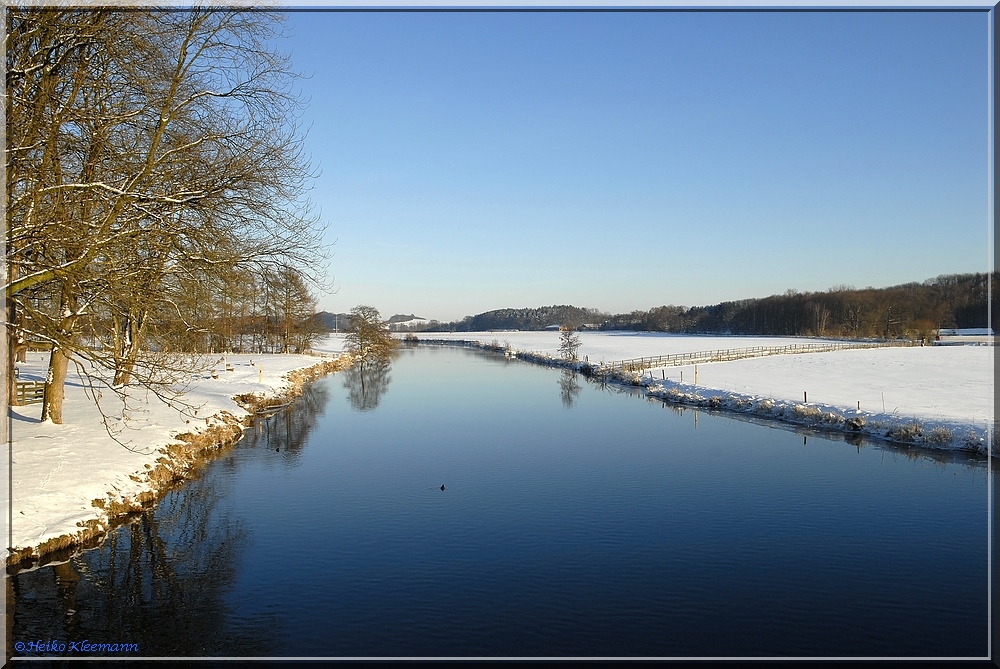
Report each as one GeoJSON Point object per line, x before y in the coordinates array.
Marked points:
{"type": "Point", "coordinates": [575, 520]}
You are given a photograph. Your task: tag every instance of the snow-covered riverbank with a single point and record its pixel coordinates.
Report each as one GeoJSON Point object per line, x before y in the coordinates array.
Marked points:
{"type": "Point", "coordinates": [936, 396]}
{"type": "Point", "coordinates": [59, 471]}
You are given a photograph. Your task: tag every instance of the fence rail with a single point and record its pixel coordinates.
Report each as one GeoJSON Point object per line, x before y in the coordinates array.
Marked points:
{"type": "Point", "coordinates": [676, 359]}
{"type": "Point", "coordinates": [29, 392]}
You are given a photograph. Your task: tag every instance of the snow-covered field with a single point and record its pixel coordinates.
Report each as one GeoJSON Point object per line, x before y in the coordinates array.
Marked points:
{"type": "Point", "coordinates": [58, 470]}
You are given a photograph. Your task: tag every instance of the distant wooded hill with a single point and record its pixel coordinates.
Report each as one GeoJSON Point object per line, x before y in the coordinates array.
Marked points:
{"type": "Point", "coordinates": [528, 319]}
{"type": "Point", "coordinates": [911, 310]}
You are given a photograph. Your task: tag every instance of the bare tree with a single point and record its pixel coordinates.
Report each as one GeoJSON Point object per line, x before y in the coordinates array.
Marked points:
{"type": "Point", "coordinates": [367, 334]}
{"type": "Point", "coordinates": [149, 153]}
{"type": "Point", "coordinates": [569, 343]}
{"type": "Point", "coordinates": [291, 310]}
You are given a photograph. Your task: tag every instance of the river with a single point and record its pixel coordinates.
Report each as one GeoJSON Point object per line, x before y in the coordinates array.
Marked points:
{"type": "Point", "coordinates": [575, 520]}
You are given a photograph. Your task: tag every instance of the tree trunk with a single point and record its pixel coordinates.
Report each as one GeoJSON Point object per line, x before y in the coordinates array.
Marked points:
{"type": "Point", "coordinates": [128, 350]}
{"type": "Point", "coordinates": [55, 381]}
{"type": "Point", "coordinates": [55, 386]}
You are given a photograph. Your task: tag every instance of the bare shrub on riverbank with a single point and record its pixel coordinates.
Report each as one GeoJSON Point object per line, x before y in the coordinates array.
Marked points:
{"type": "Point", "coordinates": [939, 436]}
{"type": "Point", "coordinates": [831, 418]}
{"type": "Point", "coordinates": [972, 441]}
{"type": "Point", "coordinates": [254, 402]}
{"type": "Point", "coordinates": [908, 433]}
{"type": "Point", "coordinates": [855, 424]}
{"type": "Point", "coordinates": [806, 413]}
{"type": "Point", "coordinates": [765, 406]}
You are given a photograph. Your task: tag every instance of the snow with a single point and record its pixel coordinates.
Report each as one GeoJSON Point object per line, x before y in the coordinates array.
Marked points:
{"type": "Point", "coordinates": [413, 322]}
{"type": "Point", "coordinates": [59, 470]}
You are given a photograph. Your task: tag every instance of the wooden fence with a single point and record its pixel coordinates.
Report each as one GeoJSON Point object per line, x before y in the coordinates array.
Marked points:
{"type": "Point", "coordinates": [29, 392]}
{"type": "Point", "coordinates": [676, 359]}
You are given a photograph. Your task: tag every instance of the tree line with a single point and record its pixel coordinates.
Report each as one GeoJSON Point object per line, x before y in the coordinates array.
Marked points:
{"type": "Point", "coordinates": [155, 193]}
{"type": "Point", "coordinates": [525, 319]}
{"type": "Point", "coordinates": [913, 310]}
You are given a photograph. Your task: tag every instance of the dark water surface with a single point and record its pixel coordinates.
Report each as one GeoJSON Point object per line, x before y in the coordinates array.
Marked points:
{"type": "Point", "coordinates": [575, 521]}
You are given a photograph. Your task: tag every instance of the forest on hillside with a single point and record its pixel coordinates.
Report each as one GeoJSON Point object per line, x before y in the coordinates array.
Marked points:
{"type": "Point", "coordinates": [913, 310]}
{"type": "Point", "coordinates": [528, 319]}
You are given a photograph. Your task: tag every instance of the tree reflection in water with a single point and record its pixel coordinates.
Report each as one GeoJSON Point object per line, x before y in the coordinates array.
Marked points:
{"type": "Point", "coordinates": [367, 381]}
{"type": "Point", "coordinates": [288, 430]}
{"type": "Point", "coordinates": [569, 387]}
{"type": "Point", "coordinates": [160, 581]}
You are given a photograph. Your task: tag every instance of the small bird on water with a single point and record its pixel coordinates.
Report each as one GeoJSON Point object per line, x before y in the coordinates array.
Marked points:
{"type": "Point", "coordinates": [442, 486]}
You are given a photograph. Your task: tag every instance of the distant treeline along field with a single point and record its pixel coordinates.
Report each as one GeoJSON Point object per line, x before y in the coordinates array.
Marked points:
{"type": "Point", "coordinates": [912, 310]}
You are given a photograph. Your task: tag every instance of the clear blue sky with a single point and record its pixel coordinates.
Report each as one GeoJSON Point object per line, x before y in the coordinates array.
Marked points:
{"type": "Point", "coordinates": [473, 161]}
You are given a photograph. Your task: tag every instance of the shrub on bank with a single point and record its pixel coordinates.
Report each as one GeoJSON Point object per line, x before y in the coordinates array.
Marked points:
{"type": "Point", "coordinates": [907, 433]}
{"type": "Point", "coordinates": [939, 436]}
{"type": "Point", "coordinates": [803, 412]}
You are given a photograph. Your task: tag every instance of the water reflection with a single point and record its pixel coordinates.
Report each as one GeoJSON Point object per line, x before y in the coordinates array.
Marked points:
{"type": "Point", "coordinates": [367, 381]}
{"type": "Point", "coordinates": [289, 430]}
{"type": "Point", "coordinates": [569, 387]}
{"type": "Point", "coordinates": [161, 581]}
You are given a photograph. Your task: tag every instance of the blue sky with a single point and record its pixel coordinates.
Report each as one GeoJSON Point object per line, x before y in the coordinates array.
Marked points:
{"type": "Point", "coordinates": [624, 160]}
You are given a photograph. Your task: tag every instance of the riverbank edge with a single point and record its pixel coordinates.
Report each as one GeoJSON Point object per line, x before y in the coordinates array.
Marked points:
{"type": "Point", "coordinates": [182, 460]}
{"type": "Point", "coordinates": [910, 432]}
